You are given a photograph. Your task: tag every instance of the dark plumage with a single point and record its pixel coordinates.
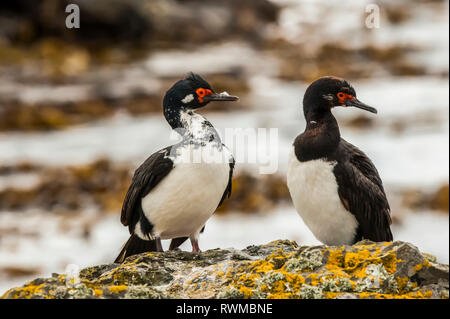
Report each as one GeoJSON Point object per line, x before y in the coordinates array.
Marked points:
{"type": "Point", "coordinates": [357, 182]}
{"type": "Point", "coordinates": [362, 193]}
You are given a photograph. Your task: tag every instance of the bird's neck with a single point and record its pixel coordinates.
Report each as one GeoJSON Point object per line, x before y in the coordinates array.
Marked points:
{"type": "Point", "coordinates": [192, 127]}
{"type": "Point", "coordinates": [320, 138]}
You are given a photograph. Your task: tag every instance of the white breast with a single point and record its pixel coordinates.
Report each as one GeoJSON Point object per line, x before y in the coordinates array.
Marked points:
{"type": "Point", "coordinates": [186, 198]}
{"type": "Point", "coordinates": [314, 192]}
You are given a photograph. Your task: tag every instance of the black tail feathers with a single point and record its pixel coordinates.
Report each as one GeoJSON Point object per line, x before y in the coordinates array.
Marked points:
{"type": "Point", "coordinates": [134, 246]}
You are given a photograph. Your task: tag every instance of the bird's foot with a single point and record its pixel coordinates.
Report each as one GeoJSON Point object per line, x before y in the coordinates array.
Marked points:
{"type": "Point", "coordinates": [195, 247]}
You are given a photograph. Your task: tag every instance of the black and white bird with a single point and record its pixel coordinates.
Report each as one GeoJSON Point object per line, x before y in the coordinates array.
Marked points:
{"type": "Point", "coordinates": [334, 186]}
{"type": "Point", "coordinates": [177, 189]}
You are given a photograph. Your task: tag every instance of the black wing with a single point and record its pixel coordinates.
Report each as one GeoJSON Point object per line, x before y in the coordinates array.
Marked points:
{"type": "Point", "coordinates": [362, 193]}
{"type": "Point", "coordinates": [145, 178]}
{"type": "Point", "coordinates": [227, 192]}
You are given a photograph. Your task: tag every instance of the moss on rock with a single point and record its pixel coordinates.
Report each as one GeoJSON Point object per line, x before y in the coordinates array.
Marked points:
{"type": "Point", "coordinates": [280, 269]}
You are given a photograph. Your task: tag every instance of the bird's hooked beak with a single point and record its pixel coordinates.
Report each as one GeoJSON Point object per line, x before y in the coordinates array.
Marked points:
{"type": "Point", "coordinates": [357, 103]}
{"type": "Point", "coordinates": [224, 96]}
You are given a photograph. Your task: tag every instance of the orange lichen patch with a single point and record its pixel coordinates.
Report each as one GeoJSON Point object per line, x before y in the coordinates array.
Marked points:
{"type": "Point", "coordinates": [281, 290]}
{"type": "Point", "coordinates": [278, 287]}
{"type": "Point", "coordinates": [275, 288]}
{"type": "Point", "coordinates": [262, 277]}
{"type": "Point", "coordinates": [419, 267]}
{"type": "Point", "coordinates": [293, 279]}
{"type": "Point", "coordinates": [355, 263]}
{"type": "Point", "coordinates": [247, 280]}
{"type": "Point", "coordinates": [335, 259]}
{"type": "Point", "coordinates": [353, 260]}
{"type": "Point", "coordinates": [117, 289]}
{"type": "Point", "coordinates": [98, 292]}
{"type": "Point", "coordinates": [410, 295]}
{"type": "Point", "coordinates": [350, 263]}
{"type": "Point", "coordinates": [402, 282]}
{"type": "Point", "coordinates": [25, 292]}
{"type": "Point", "coordinates": [369, 245]}
{"type": "Point", "coordinates": [390, 262]}
{"type": "Point", "coordinates": [315, 280]}
{"type": "Point", "coordinates": [331, 295]}
{"type": "Point", "coordinates": [371, 295]}
{"type": "Point", "coordinates": [280, 296]}
{"type": "Point", "coordinates": [246, 291]}
{"type": "Point", "coordinates": [262, 266]}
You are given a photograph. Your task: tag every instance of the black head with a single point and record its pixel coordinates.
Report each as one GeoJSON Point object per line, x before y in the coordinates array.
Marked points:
{"type": "Point", "coordinates": [193, 92]}
{"type": "Point", "coordinates": [190, 93]}
{"type": "Point", "coordinates": [328, 92]}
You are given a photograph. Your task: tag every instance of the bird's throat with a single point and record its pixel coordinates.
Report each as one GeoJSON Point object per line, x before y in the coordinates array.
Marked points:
{"type": "Point", "coordinates": [320, 138]}
{"type": "Point", "coordinates": [197, 128]}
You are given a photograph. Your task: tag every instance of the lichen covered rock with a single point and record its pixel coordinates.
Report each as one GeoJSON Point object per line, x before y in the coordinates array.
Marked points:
{"type": "Point", "coordinates": [280, 269]}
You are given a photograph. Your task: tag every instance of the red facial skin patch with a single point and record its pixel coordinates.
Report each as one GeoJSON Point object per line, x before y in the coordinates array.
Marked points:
{"type": "Point", "coordinates": [343, 97]}
{"type": "Point", "coordinates": [201, 93]}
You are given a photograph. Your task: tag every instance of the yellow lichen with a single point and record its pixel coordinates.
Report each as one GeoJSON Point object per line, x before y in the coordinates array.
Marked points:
{"type": "Point", "coordinates": [27, 291]}
{"type": "Point", "coordinates": [402, 282]}
{"type": "Point", "coordinates": [220, 273]}
{"type": "Point", "coordinates": [262, 266]}
{"type": "Point", "coordinates": [410, 295]}
{"type": "Point", "coordinates": [353, 260]}
{"type": "Point", "coordinates": [355, 263]}
{"type": "Point", "coordinates": [364, 271]}
{"type": "Point", "coordinates": [314, 279]}
{"type": "Point", "coordinates": [117, 289]}
{"type": "Point", "coordinates": [98, 292]}
{"type": "Point", "coordinates": [335, 259]}
{"type": "Point", "coordinates": [331, 295]}
{"type": "Point", "coordinates": [390, 263]}
{"type": "Point", "coordinates": [419, 267]}
{"type": "Point", "coordinates": [246, 291]}
{"type": "Point", "coordinates": [280, 296]}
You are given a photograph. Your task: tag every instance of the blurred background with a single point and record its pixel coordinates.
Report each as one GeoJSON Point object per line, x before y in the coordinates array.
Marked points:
{"type": "Point", "coordinates": [80, 109]}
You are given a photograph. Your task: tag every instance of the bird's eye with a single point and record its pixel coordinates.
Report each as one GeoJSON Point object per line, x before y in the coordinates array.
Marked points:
{"type": "Point", "coordinates": [341, 95]}
{"type": "Point", "coordinates": [201, 92]}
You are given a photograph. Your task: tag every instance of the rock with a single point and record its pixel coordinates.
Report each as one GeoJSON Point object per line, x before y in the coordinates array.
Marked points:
{"type": "Point", "coordinates": [280, 269]}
